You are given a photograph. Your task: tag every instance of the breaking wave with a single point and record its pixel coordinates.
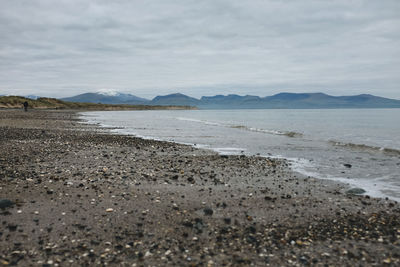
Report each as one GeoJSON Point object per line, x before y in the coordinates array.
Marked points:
{"type": "Point", "coordinates": [199, 121]}
{"type": "Point", "coordinates": [363, 147]}
{"type": "Point", "coordinates": [242, 127]}
{"type": "Point", "coordinates": [252, 129]}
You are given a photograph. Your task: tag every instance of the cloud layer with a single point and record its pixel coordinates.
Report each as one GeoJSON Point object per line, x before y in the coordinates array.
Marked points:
{"type": "Point", "coordinates": [66, 47]}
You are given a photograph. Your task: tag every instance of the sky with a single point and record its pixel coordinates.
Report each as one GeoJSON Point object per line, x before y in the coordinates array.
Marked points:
{"type": "Point", "coordinates": [156, 47]}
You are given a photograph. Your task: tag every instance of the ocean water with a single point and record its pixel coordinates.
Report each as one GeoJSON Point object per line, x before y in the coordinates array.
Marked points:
{"type": "Point", "coordinates": [318, 143]}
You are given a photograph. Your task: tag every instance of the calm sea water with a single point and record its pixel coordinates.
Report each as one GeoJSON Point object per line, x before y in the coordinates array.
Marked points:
{"type": "Point", "coordinates": [318, 143]}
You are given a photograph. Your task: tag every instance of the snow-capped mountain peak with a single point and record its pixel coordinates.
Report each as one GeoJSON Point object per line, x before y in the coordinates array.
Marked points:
{"type": "Point", "coordinates": [120, 96]}
{"type": "Point", "coordinates": [107, 96]}
{"type": "Point", "coordinates": [109, 92]}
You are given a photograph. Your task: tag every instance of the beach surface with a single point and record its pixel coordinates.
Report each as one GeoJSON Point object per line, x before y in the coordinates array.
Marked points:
{"type": "Point", "coordinates": [73, 194]}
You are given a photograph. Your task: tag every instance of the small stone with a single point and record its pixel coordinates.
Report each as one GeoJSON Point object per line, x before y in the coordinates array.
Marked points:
{"type": "Point", "coordinates": [6, 203]}
{"type": "Point", "coordinates": [355, 191]}
{"type": "Point", "coordinates": [388, 260]}
{"type": "Point", "coordinates": [208, 211]}
{"type": "Point", "coordinates": [109, 210]}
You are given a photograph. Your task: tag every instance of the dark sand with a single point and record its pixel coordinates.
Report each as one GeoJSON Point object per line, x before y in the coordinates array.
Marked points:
{"type": "Point", "coordinates": [86, 197]}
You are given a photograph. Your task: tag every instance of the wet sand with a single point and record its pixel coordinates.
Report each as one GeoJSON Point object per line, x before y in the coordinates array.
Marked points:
{"type": "Point", "coordinates": [76, 195]}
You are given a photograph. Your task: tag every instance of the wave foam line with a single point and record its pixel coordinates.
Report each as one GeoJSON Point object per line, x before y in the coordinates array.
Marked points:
{"type": "Point", "coordinates": [251, 129]}
{"type": "Point", "coordinates": [258, 130]}
{"type": "Point", "coordinates": [373, 187]}
{"type": "Point", "coordinates": [390, 151]}
{"type": "Point", "coordinates": [199, 121]}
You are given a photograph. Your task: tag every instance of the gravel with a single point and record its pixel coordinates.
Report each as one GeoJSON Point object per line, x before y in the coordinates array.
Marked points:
{"type": "Point", "coordinates": [83, 196]}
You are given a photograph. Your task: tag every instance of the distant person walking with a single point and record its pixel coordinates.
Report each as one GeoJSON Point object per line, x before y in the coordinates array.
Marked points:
{"type": "Point", "coordinates": [26, 106]}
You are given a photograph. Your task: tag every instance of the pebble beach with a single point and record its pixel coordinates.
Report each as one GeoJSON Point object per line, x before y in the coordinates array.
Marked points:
{"type": "Point", "coordinates": [73, 194]}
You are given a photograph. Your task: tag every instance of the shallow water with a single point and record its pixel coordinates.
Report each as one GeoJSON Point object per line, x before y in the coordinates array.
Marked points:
{"type": "Point", "coordinates": [317, 142]}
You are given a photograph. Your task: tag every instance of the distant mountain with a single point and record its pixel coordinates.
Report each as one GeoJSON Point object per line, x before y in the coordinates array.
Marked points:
{"type": "Point", "coordinates": [232, 101]}
{"type": "Point", "coordinates": [221, 101]}
{"type": "Point", "coordinates": [175, 99]}
{"type": "Point", "coordinates": [34, 97]}
{"type": "Point", "coordinates": [299, 101]}
{"type": "Point", "coordinates": [320, 100]}
{"type": "Point", "coordinates": [107, 98]}
{"type": "Point", "coordinates": [16, 102]}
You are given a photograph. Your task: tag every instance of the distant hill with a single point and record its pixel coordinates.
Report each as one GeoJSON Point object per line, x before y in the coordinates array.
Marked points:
{"type": "Point", "coordinates": [320, 100]}
{"type": "Point", "coordinates": [175, 99]}
{"type": "Point", "coordinates": [297, 101]}
{"type": "Point", "coordinates": [27, 96]}
{"type": "Point", "coordinates": [229, 101]}
{"type": "Point", "coordinates": [16, 102]}
{"type": "Point", "coordinates": [233, 101]}
{"type": "Point", "coordinates": [32, 96]}
{"type": "Point", "coordinates": [118, 98]}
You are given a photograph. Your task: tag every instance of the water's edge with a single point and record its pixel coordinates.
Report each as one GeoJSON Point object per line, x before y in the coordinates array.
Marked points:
{"type": "Point", "coordinates": [296, 164]}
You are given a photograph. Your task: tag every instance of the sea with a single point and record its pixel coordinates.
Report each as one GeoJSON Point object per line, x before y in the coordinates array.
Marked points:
{"type": "Point", "coordinates": [358, 147]}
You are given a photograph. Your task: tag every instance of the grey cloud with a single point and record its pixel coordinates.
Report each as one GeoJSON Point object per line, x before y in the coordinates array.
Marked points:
{"type": "Point", "coordinates": [200, 47]}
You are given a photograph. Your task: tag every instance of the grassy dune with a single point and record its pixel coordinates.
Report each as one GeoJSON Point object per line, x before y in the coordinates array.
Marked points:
{"type": "Point", "coordinates": [52, 103]}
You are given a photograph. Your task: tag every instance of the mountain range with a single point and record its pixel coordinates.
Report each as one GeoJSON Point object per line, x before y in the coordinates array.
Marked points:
{"type": "Point", "coordinates": [232, 101]}
{"type": "Point", "coordinates": [107, 98]}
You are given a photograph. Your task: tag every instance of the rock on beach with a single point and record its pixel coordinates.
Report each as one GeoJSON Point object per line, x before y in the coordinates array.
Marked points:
{"type": "Point", "coordinates": [6, 203]}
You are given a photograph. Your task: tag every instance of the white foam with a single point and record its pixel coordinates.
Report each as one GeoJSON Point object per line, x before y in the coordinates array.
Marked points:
{"type": "Point", "coordinates": [228, 150]}
{"type": "Point", "coordinates": [242, 127]}
{"type": "Point", "coordinates": [199, 121]}
{"type": "Point", "coordinates": [373, 187]}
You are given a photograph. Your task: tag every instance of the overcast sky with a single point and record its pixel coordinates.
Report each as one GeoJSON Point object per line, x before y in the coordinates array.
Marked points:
{"type": "Point", "coordinates": [259, 47]}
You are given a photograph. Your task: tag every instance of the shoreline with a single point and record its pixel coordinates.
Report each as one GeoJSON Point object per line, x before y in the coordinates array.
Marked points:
{"type": "Point", "coordinates": [93, 197]}
{"type": "Point", "coordinates": [296, 164]}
